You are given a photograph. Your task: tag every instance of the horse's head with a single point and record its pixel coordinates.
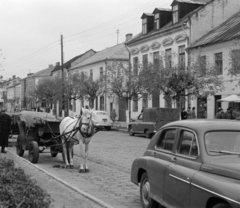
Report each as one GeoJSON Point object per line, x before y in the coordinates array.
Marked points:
{"type": "Point", "coordinates": [86, 124]}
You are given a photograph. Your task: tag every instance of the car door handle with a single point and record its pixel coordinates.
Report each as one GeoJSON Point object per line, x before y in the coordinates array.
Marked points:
{"type": "Point", "coordinates": [154, 154]}
{"type": "Point", "coordinates": [173, 159]}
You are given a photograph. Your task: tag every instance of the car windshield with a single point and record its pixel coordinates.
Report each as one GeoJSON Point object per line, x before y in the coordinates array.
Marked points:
{"type": "Point", "coordinates": [222, 142]}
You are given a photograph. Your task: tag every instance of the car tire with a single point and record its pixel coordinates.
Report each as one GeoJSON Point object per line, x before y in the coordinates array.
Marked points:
{"type": "Point", "coordinates": [130, 131]}
{"type": "Point", "coordinates": [147, 134]}
{"type": "Point", "coordinates": [146, 200]}
{"type": "Point", "coordinates": [19, 149]}
{"type": "Point", "coordinates": [33, 152]}
{"type": "Point", "coordinates": [108, 128]}
{"type": "Point", "coordinates": [221, 205]}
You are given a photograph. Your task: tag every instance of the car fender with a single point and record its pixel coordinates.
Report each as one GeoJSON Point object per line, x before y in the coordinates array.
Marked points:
{"type": "Point", "coordinates": [205, 186]}
{"type": "Point", "coordinates": [139, 166]}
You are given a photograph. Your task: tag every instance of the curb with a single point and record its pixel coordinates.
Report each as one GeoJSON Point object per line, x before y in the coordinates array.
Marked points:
{"type": "Point", "coordinates": [98, 201]}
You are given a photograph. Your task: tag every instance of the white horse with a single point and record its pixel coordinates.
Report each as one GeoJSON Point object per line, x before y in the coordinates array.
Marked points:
{"type": "Point", "coordinates": [75, 130]}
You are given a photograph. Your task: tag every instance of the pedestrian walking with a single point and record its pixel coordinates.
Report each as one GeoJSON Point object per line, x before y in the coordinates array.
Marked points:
{"type": "Point", "coordinates": [184, 114]}
{"type": "Point", "coordinates": [113, 115]}
{"type": "Point", "coordinates": [5, 127]}
{"type": "Point", "coordinates": [193, 113]}
{"type": "Point", "coordinates": [189, 113]}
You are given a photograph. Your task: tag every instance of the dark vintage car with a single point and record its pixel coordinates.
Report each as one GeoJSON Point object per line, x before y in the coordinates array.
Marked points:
{"type": "Point", "coordinates": [191, 164]}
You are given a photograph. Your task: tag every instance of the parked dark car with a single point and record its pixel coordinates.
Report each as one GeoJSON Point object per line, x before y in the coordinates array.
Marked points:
{"type": "Point", "coordinates": [191, 164]}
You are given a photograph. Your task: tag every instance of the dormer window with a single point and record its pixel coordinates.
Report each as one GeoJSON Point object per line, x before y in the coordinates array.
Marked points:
{"type": "Point", "coordinates": [156, 21]}
{"type": "Point", "coordinates": [144, 26]}
{"type": "Point", "coordinates": [175, 13]}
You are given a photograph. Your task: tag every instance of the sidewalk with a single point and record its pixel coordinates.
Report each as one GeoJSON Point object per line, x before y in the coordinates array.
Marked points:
{"type": "Point", "coordinates": [120, 126]}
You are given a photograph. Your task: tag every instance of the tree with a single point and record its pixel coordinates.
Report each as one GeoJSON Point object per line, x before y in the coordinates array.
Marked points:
{"type": "Point", "coordinates": [48, 90]}
{"type": "Point", "coordinates": [123, 82]}
{"type": "Point", "coordinates": [88, 88]}
{"type": "Point", "coordinates": [177, 82]}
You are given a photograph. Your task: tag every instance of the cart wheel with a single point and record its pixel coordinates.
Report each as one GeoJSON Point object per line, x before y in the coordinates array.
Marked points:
{"type": "Point", "coordinates": [33, 153]}
{"type": "Point", "coordinates": [53, 152]}
{"type": "Point", "coordinates": [63, 156]}
{"type": "Point", "coordinates": [19, 149]}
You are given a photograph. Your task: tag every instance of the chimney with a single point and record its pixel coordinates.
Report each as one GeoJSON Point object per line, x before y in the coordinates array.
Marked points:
{"type": "Point", "coordinates": [128, 37]}
{"type": "Point", "coordinates": [50, 66]}
{"type": "Point", "coordinates": [14, 77]}
{"type": "Point", "coordinates": [29, 74]}
{"type": "Point", "coordinates": [58, 64]}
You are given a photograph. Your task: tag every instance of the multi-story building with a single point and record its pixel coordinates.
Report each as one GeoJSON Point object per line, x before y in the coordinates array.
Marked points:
{"type": "Point", "coordinates": [95, 66]}
{"type": "Point", "coordinates": [220, 48]}
{"type": "Point", "coordinates": [166, 33]}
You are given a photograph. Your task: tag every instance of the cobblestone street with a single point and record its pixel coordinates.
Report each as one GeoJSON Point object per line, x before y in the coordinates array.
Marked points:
{"type": "Point", "coordinates": [110, 158]}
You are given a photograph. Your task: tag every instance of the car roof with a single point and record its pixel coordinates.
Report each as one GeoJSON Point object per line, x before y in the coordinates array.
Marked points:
{"type": "Point", "coordinates": [204, 125]}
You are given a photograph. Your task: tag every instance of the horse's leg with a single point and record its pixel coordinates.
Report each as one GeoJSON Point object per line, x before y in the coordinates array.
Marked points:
{"type": "Point", "coordinates": [65, 152]}
{"type": "Point", "coordinates": [86, 157]}
{"type": "Point", "coordinates": [71, 144]}
{"type": "Point", "coordinates": [81, 169]}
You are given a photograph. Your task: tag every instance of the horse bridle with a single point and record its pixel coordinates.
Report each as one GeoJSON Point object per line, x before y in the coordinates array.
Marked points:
{"type": "Point", "coordinates": [86, 135]}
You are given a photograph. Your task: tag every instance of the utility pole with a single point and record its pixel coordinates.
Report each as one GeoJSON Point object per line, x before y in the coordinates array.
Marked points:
{"type": "Point", "coordinates": [63, 103]}
{"type": "Point", "coordinates": [117, 35]}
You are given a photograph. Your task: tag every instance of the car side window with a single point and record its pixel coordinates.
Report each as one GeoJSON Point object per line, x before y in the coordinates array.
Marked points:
{"type": "Point", "coordinates": [188, 144]}
{"type": "Point", "coordinates": [166, 140]}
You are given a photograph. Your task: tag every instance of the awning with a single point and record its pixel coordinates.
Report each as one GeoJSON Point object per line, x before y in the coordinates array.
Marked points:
{"type": "Point", "coordinates": [1, 100]}
{"type": "Point", "coordinates": [231, 98]}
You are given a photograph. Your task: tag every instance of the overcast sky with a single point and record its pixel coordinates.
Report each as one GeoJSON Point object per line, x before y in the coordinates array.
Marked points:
{"type": "Point", "coordinates": [31, 29]}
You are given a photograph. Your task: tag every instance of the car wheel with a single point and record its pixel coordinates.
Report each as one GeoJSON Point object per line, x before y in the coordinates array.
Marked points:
{"type": "Point", "coordinates": [221, 205]}
{"type": "Point", "coordinates": [130, 131]}
{"type": "Point", "coordinates": [147, 134]}
{"type": "Point", "coordinates": [146, 200]}
{"type": "Point", "coordinates": [19, 149]}
{"type": "Point", "coordinates": [33, 153]}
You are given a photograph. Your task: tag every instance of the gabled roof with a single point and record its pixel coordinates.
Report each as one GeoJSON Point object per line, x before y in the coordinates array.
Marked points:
{"type": "Point", "coordinates": [202, 2]}
{"type": "Point", "coordinates": [117, 52]}
{"type": "Point", "coordinates": [42, 73]}
{"type": "Point", "coordinates": [68, 63]}
{"type": "Point", "coordinates": [228, 30]}
{"type": "Point", "coordinates": [147, 14]}
{"type": "Point", "coordinates": [161, 9]}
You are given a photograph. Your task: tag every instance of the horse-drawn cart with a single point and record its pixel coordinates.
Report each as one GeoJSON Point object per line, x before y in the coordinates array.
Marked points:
{"type": "Point", "coordinates": [38, 131]}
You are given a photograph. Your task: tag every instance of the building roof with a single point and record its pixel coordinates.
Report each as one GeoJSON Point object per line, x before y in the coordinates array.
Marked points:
{"type": "Point", "coordinates": [161, 9]}
{"type": "Point", "coordinates": [170, 26]}
{"type": "Point", "coordinates": [42, 73]}
{"type": "Point", "coordinates": [228, 30]}
{"type": "Point", "coordinates": [117, 52]}
{"type": "Point", "coordinates": [68, 63]}
{"type": "Point", "coordinates": [202, 2]}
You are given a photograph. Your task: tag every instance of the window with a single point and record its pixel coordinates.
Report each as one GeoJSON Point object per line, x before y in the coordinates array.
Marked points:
{"type": "Point", "coordinates": [145, 100]}
{"type": "Point", "coordinates": [188, 144]}
{"type": "Point", "coordinates": [91, 74]}
{"type": "Point", "coordinates": [235, 60]}
{"type": "Point", "coordinates": [156, 59]}
{"type": "Point", "coordinates": [145, 61]}
{"type": "Point", "coordinates": [218, 63]}
{"type": "Point", "coordinates": [135, 104]}
{"type": "Point", "coordinates": [168, 58]}
{"type": "Point", "coordinates": [101, 73]}
{"type": "Point", "coordinates": [144, 26]}
{"type": "Point", "coordinates": [175, 13]}
{"type": "Point", "coordinates": [135, 65]}
{"type": "Point", "coordinates": [202, 66]}
{"type": "Point", "coordinates": [181, 57]}
{"type": "Point", "coordinates": [156, 21]}
{"type": "Point", "coordinates": [167, 139]}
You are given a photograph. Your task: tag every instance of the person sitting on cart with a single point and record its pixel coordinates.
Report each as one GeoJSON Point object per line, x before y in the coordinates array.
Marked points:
{"type": "Point", "coordinates": [5, 127]}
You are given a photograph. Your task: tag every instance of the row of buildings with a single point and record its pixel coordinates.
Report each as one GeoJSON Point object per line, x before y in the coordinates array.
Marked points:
{"type": "Point", "coordinates": [209, 29]}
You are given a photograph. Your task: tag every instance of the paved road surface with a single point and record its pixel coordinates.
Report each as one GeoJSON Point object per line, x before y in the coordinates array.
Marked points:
{"type": "Point", "coordinates": [110, 159]}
